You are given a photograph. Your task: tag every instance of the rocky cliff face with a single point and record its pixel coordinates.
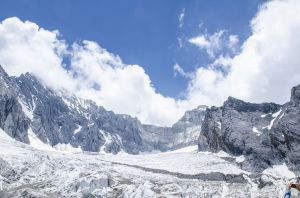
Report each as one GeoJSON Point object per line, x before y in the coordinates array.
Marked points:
{"type": "Point", "coordinates": [12, 118]}
{"type": "Point", "coordinates": [29, 109]}
{"type": "Point", "coordinates": [266, 134]}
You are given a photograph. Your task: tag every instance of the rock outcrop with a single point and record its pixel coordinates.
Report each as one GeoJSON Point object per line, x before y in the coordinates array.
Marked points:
{"type": "Point", "coordinates": [266, 134]}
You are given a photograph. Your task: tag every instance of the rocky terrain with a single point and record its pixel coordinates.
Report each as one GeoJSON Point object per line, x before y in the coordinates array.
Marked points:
{"type": "Point", "coordinates": [30, 109]}
{"type": "Point", "coordinates": [267, 134]}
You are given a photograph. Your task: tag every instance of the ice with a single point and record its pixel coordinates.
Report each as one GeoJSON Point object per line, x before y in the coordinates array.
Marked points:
{"type": "Point", "coordinates": [186, 162]}
{"type": "Point", "coordinates": [45, 173]}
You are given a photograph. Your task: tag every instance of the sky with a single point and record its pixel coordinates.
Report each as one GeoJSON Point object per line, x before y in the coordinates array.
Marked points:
{"type": "Point", "coordinates": [155, 59]}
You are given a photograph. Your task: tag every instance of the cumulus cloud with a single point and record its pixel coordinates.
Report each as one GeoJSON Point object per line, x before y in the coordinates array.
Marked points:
{"type": "Point", "coordinates": [24, 47]}
{"type": "Point", "coordinates": [211, 43]}
{"type": "Point", "coordinates": [264, 68]}
{"type": "Point", "coordinates": [123, 88]}
{"type": "Point", "coordinates": [233, 41]}
{"type": "Point", "coordinates": [94, 73]}
{"type": "Point", "coordinates": [267, 66]}
{"type": "Point", "coordinates": [217, 43]}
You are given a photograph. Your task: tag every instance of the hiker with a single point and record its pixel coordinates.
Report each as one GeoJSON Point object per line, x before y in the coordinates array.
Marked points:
{"type": "Point", "coordinates": [289, 187]}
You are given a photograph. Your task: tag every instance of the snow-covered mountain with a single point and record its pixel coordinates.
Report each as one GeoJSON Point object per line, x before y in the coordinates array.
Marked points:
{"type": "Point", "coordinates": [33, 112]}
{"type": "Point", "coordinates": [54, 144]}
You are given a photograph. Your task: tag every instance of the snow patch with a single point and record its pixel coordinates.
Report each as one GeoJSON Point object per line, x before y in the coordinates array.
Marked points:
{"type": "Point", "coordinates": [108, 140]}
{"type": "Point", "coordinates": [264, 115]}
{"type": "Point", "coordinates": [35, 142]}
{"type": "Point", "coordinates": [188, 149]}
{"type": "Point", "coordinates": [4, 135]}
{"type": "Point", "coordinates": [219, 125]}
{"type": "Point", "coordinates": [255, 130]}
{"type": "Point", "coordinates": [223, 154]}
{"type": "Point", "coordinates": [280, 171]}
{"type": "Point", "coordinates": [77, 129]}
{"type": "Point", "coordinates": [274, 115]}
{"type": "Point", "coordinates": [281, 116]}
{"type": "Point", "coordinates": [240, 159]}
{"type": "Point", "coordinates": [28, 112]}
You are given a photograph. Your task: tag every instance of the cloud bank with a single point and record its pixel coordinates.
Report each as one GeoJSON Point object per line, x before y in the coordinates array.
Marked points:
{"type": "Point", "coordinates": [265, 67]}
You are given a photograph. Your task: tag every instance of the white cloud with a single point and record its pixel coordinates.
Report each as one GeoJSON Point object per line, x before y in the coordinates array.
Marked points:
{"type": "Point", "coordinates": [217, 43]}
{"type": "Point", "coordinates": [267, 66]}
{"type": "Point", "coordinates": [211, 43]}
{"type": "Point", "coordinates": [123, 88]}
{"type": "Point", "coordinates": [264, 69]}
{"type": "Point", "coordinates": [233, 41]}
{"type": "Point", "coordinates": [179, 70]}
{"type": "Point", "coordinates": [181, 18]}
{"type": "Point", "coordinates": [24, 47]}
{"type": "Point", "coordinates": [94, 73]}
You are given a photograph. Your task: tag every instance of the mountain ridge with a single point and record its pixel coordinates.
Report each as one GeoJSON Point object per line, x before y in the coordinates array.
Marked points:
{"type": "Point", "coordinates": [59, 117]}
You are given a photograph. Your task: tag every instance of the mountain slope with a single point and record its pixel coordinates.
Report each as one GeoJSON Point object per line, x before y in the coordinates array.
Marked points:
{"type": "Point", "coordinates": [60, 119]}
{"type": "Point", "coordinates": [266, 134]}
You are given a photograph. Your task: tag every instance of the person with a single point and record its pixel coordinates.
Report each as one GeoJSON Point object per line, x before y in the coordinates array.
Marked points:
{"type": "Point", "coordinates": [288, 193]}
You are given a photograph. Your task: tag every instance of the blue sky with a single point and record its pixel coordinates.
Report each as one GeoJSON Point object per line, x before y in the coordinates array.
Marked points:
{"type": "Point", "coordinates": [141, 32]}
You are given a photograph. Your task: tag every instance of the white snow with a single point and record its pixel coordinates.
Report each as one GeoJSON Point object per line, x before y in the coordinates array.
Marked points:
{"type": "Point", "coordinates": [4, 136]}
{"type": "Point", "coordinates": [223, 154]}
{"type": "Point", "coordinates": [69, 174]}
{"type": "Point", "coordinates": [280, 171]}
{"type": "Point", "coordinates": [28, 112]}
{"type": "Point", "coordinates": [77, 129]}
{"type": "Point", "coordinates": [274, 115]}
{"type": "Point", "coordinates": [188, 149]}
{"type": "Point", "coordinates": [109, 138]}
{"type": "Point", "coordinates": [240, 159]}
{"type": "Point", "coordinates": [264, 115]}
{"type": "Point", "coordinates": [67, 148]}
{"type": "Point", "coordinates": [255, 130]}
{"type": "Point", "coordinates": [185, 161]}
{"type": "Point", "coordinates": [281, 116]}
{"type": "Point", "coordinates": [35, 142]}
{"type": "Point", "coordinates": [219, 125]}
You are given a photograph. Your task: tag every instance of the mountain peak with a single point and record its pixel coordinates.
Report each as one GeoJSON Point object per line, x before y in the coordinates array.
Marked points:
{"type": "Point", "coordinates": [2, 71]}
{"type": "Point", "coordinates": [295, 94]}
